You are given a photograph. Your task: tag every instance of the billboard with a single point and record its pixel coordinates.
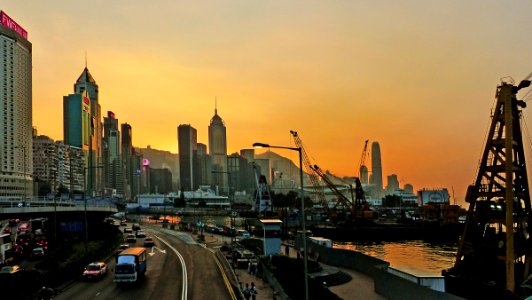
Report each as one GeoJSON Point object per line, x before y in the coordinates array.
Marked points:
{"type": "Point", "coordinates": [9, 23]}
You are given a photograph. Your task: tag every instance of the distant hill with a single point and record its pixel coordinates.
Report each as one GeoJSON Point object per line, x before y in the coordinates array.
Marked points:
{"type": "Point", "coordinates": [282, 164]}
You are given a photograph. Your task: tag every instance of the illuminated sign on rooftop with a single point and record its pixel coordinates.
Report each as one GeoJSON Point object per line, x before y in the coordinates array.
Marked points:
{"type": "Point", "coordinates": [9, 23]}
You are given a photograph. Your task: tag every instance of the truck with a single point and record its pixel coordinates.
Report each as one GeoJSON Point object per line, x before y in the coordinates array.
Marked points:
{"type": "Point", "coordinates": [131, 265]}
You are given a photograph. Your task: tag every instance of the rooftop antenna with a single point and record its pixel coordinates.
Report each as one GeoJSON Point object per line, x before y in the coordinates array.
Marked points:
{"type": "Point", "coordinates": [215, 105]}
{"type": "Point", "coordinates": [85, 59]}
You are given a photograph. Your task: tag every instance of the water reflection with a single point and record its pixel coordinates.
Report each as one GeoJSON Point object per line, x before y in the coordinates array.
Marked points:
{"type": "Point", "coordinates": [419, 258]}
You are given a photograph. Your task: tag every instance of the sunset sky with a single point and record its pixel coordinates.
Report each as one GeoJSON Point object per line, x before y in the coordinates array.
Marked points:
{"type": "Point", "coordinates": [419, 77]}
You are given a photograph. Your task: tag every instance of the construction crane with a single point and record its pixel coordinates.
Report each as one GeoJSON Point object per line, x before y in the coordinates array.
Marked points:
{"type": "Point", "coordinates": [363, 159]}
{"type": "Point", "coordinates": [494, 258]}
{"type": "Point", "coordinates": [318, 189]}
{"type": "Point", "coordinates": [356, 210]}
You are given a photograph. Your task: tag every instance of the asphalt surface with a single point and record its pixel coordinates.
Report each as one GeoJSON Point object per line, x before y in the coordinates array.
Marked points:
{"type": "Point", "coordinates": [164, 279]}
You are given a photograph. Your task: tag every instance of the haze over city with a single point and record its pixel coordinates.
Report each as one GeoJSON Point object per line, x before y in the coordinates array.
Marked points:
{"type": "Point", "coordinates": [418, 77]}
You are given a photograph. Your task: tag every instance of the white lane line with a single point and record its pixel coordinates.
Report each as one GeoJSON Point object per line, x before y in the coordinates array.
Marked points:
{"type": "Point", "coordinates": [184, 290]}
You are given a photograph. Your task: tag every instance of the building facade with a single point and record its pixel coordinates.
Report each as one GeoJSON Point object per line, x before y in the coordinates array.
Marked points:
{"type": "Point", "coordinates": [112, 157]}
{"type": "Point", "coordinates": [187, 138]}
{"type": "Point", "coordinates": [376, 170]}
{"type": "Point", "coordinates": [218, 150]}
{"type": "Point", "coordinates": [15, 111]}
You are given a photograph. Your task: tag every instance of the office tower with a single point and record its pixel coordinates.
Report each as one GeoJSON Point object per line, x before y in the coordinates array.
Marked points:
{"type": "Point", "coordinates": [112, 162]}
{"type": "Point", "coordinates": [376, 170]}
{"type": "Point", "coordinates": [45, 162]}
{"type": "Point", "coordinates": [160, 181]}
{"type": "Point", "coordinates": [127, 153]}
{"type": "Point", "coordinates": [15, 110]}
{"type": "Point", "coordinates": [187, 138]}
{"type": "Point", "coordinates": [364, 174]}
{"type": "Point", "coordinates": [393, 184]}
{"type": "Point", "coordinates": [409, 188]}
{"type": "Point", "coordinates": [94, 172]}
{"type": "Point", "coordinates": [202, 167]}
{"type": "Point", "coordinates": [218, 149]}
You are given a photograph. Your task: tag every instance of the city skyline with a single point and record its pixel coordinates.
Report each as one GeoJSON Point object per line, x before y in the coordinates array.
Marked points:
{"type": "Point", "coordinates": [418, 78]}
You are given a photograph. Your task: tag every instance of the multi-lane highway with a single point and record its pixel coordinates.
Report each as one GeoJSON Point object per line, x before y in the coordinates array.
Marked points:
{"type": "Point", "coordinates": [166, 277]}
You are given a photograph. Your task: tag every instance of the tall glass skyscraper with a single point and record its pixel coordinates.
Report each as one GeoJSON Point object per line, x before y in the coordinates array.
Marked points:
{"type": "Point", "coordinates": [376, 170]}
{"type": "Point", "coordinates": [16, 163]}
{"type": "Point", "coordinates": [218, 150]}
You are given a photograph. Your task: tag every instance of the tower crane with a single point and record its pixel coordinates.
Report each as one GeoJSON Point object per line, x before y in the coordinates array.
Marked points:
{"type": "Point", "coordinates": [318, 189]}
{"type": "Point", "coordinates": [363, 159]}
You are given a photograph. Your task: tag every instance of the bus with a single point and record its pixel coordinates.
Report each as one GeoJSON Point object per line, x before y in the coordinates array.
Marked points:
{"type": "Point", "coordinates": [6, 246]}
{"type": "Point", "coordinates": [131, 265]}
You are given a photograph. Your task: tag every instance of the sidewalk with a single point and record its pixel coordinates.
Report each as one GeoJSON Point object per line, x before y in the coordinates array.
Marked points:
{"type": "Point", "coordinates": [361, 285]}
{"type": "Point", "coordinates": [264, 291]}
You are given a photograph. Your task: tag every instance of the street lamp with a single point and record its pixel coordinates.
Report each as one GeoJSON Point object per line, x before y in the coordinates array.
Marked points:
{"type": "Point", "coordinates": [231, 200]}
{"type": "Point", "coordinates": [298, 149]}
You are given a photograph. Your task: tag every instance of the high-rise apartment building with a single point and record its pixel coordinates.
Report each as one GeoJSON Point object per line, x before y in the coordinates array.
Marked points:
{"type": "Point", "coordinates": [187, 138]}
{"type": "Point", "coordinates": [218, 149]}
{"type": "Point", "coordinates": [376, 170]}
{"type": "Point", "coordinates": [15, 110]}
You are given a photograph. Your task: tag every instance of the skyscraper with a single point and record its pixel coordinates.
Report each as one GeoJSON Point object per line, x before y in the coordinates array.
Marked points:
{"type": "Point", "coordinates": [127, 154]}
{"type": "Point", "coordinates": [376, 170]}
{"type": "Point", "coordinates": [94, 172]}
{"type": "Point", "coordinates": [113, 166]}
{"type": "Point", "coordinates": [218, 149]}
{"type": "Point", "coordinates": [187, 138]}
{"type": "Point", "coordinates": [15, 110]}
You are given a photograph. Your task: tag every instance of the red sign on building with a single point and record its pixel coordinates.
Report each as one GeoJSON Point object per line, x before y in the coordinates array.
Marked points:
{"type": "Point", "coordinates": [9, 23]}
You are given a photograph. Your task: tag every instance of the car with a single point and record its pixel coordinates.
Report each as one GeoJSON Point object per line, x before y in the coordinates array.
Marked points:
{"type": "Point", "coordinates": [131, 238]}
{"type": "Point", "coordinates": [37, 253]}
{"type": "Point", "coordinates": [148, 242]}
{"type": "Point", "coordinates": [123, 223]}
{"type": "Point", "coordinates": [11, 269]}
{"type": "Point", "coordinates": [140, 234]}
{"type": "Point", "coordinates": [128, 230]}
{"type": "Point", "coordinates": [121, 248]}
{"type": "Point", "coordinates": [135, 227]}
{"type": "Point", "coordinates": [95, 270]}
{"type": "Point", "coordinates": [7, 230]}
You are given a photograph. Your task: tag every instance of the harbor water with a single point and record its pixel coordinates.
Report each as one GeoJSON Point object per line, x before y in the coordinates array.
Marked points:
{"type": "Point", "coordinates": [416, 257]}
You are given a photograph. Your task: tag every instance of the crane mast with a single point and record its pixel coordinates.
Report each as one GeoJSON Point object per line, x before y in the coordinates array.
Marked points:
{"type": "Point", "coordinates": [494, 257]}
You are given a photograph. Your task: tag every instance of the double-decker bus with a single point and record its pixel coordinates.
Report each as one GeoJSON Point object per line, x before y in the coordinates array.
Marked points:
{"type": "Point", "coordinates": [131, 265]}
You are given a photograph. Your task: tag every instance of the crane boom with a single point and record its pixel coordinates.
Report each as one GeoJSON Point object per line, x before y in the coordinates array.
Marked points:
{"type": "Point", "coordinates": [318, 189]}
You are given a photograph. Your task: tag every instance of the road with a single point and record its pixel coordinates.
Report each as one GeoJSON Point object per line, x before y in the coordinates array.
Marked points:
{"type": "Point", "coordinates": [164, 276]}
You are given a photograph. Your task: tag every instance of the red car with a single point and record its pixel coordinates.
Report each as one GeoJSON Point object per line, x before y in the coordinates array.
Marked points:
{"type": "Point", "coordinates": [95, 270]}
{"type": "Point", "coordinates": [7, 230]}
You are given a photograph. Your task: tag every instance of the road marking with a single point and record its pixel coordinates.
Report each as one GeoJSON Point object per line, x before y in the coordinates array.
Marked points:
{"type": "Point", "coordinates": [226, 280]}
{"type": "Point", "coordinates": [184, 290]}
{"type": "Point", "coordinates": [151, 253]}
{"type": "Point", "coordinates": [98, 294]}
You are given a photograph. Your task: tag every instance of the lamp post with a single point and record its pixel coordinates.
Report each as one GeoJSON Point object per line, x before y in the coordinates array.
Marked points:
{"type": "Point", "coordinates": [298, 149]}
{"type": "Point", "coordinates": [231, 200]}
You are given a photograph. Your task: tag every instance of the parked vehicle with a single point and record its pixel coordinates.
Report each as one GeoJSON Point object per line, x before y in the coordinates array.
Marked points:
{"type": "Point", "coordinates": [95, 270]}
{"type": "Point", "coordinates": [131, 265]}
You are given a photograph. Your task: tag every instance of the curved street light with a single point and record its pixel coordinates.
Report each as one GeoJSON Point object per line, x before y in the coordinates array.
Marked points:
{"type": "Point", "coordinates": [299, 150]}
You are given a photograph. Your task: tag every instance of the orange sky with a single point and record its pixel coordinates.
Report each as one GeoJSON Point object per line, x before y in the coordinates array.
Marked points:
{"type": "Point", "coordinates": [417, 76]}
